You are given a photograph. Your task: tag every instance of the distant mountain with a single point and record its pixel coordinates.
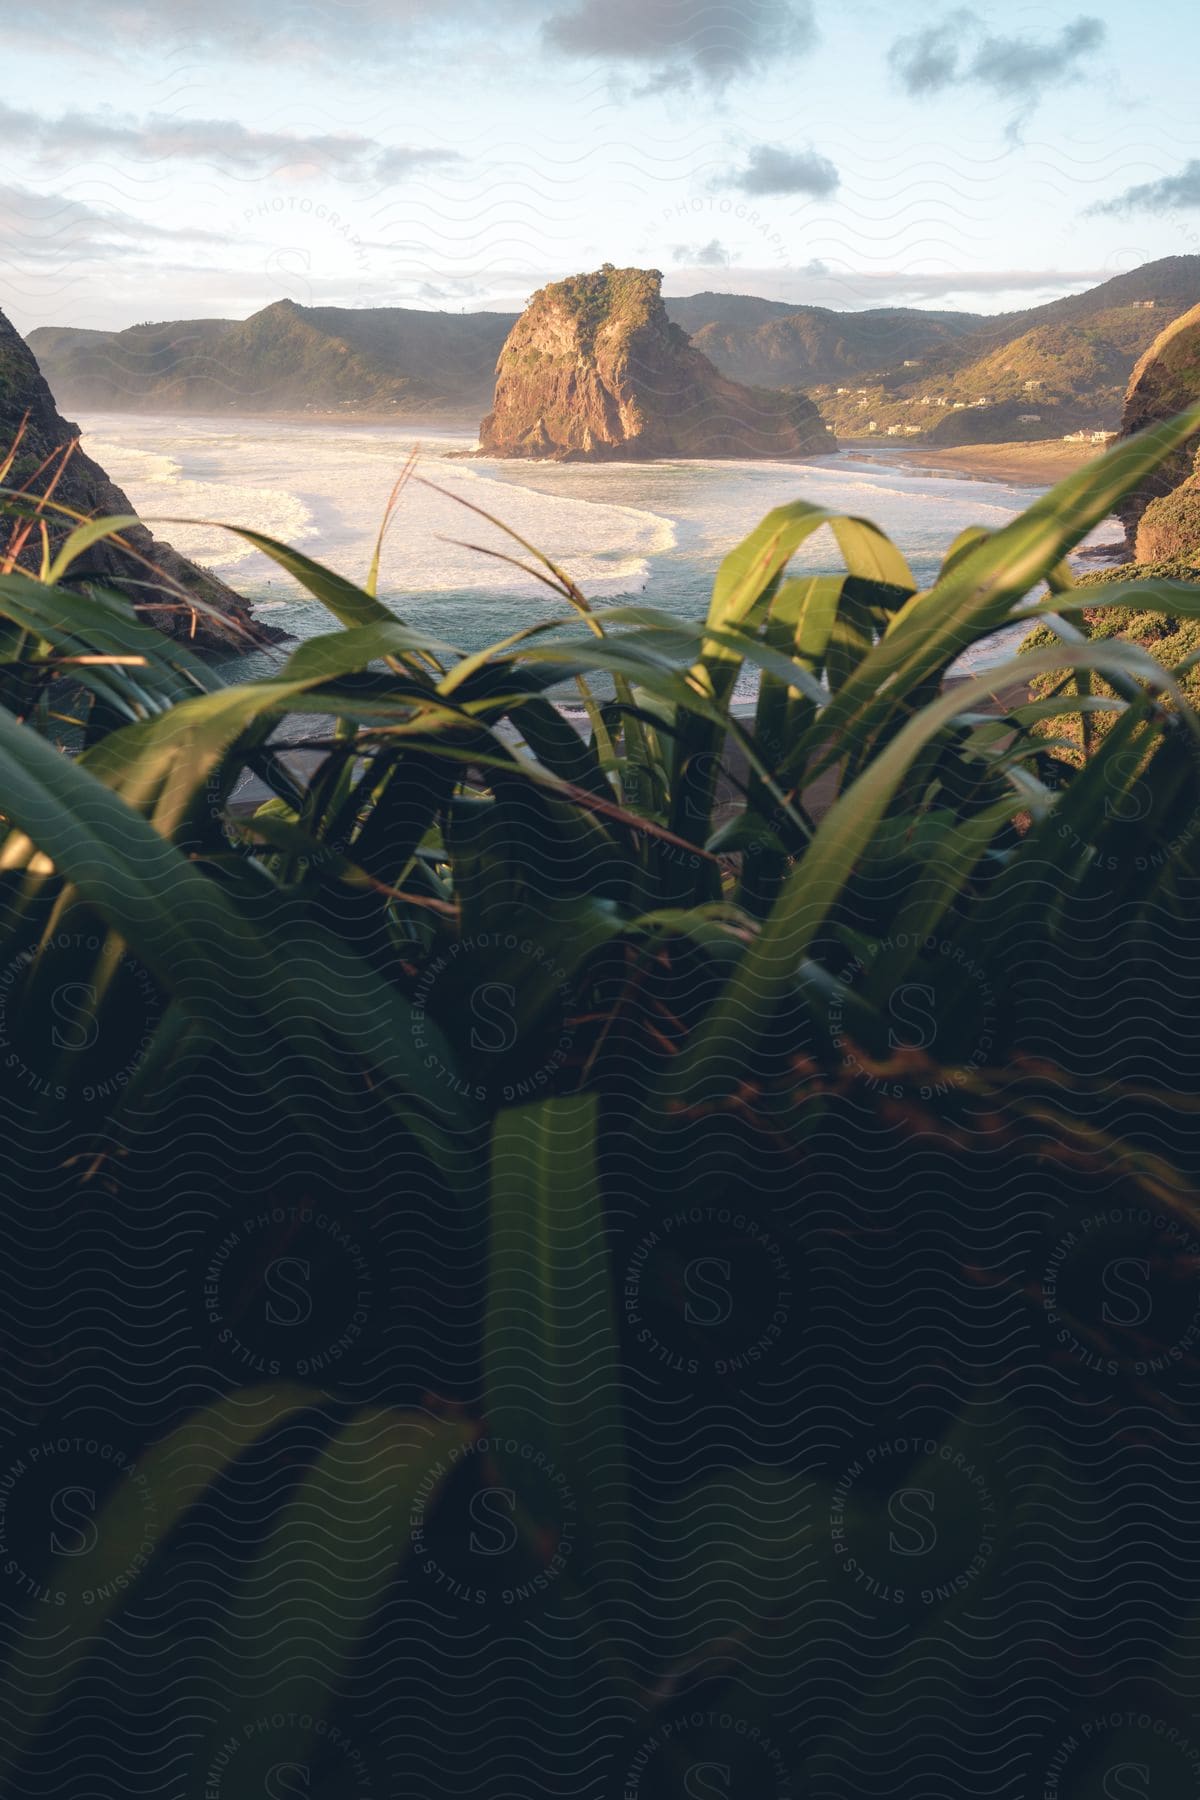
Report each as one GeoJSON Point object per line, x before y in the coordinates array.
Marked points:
{"type": "Point", "coordinates": [398, 361]}
{"type": "Point", "coordinates": [812, 344]}
{"type": "Point", "coordinates": [594, 368]}
{"type": "Point", "coordinates": [286, 358]}
{"type": "Point", "coordinates": [692, 312]}
{"type": "Point", "coordinates": [150, 573]}
{"type": "Point", "coordinates": [1045, 372]}
{"type": "Point", "coordinates": [941, 377]}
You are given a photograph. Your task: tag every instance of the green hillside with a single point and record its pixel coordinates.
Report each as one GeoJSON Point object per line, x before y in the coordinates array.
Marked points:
{"type": "Point", "coordinates": [941, 377]}
{"type": "Point", "coordinates": [814, 344]}
{"type": "Point", "coordinates": [286, 358]}
{"type": "Point", "coordinates": [1054, 369]}
{"type": "Point", "coordinates": [692, 312]}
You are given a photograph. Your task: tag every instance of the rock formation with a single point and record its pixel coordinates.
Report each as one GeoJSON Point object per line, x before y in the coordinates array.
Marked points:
{"type": "Point", "coordinates": [595, 369]}
{"type": "Point", "coordinates": [1162, 518]}
{"type": "Point", "coordinates": [165, 587]}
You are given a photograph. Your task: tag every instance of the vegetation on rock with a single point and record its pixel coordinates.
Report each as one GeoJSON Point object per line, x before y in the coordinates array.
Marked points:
{"type": "Point", "coordinates": [1165, 381]}
{"type": "Point", "coordinates": [1172, 639]}
{"type": "Point", "coordinates": [1170, 525]}
{"type": "Point", "coordinates": [595, 368]}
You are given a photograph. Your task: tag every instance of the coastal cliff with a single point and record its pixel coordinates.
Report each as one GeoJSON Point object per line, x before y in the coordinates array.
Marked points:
{"type": "Point", "coordinates": [1162, 518]}
{"type": "Point", "coordinates": [163, 585]}
{"type": "Point", "coordinates": [594, 369]}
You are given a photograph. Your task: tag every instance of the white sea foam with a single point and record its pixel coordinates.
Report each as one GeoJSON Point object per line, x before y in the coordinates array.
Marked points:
{"type": "Point", "coordinates": [654, 530]}
{"type": "Point", "coordinates": [126, 464]}
{"type": "Point", "coordinates": [604, 545]}
{"type": "Point", "coordinates": [332, 484]}
{"type": "Point", "coordinates": [161, 485]}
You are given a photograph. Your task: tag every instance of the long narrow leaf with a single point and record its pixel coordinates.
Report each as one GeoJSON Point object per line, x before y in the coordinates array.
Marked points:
{"type": "Point", "coordinates": [550, 1343]}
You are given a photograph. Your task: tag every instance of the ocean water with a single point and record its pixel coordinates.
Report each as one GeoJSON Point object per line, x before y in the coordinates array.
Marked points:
{"type": "Point", "coordinates": [626, 532]}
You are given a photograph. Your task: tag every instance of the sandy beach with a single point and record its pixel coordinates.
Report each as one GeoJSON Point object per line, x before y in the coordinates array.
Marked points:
{"type": "Point", "coordinates": [1037, 464]}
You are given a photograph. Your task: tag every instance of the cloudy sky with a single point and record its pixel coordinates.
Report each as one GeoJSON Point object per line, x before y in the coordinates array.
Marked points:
{"type": "Point", "coordinates": [205, 157]}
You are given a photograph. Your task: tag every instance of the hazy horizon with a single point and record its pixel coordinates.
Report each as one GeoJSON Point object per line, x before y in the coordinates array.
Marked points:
{"type": "Point", "coordinates": [673, 289]}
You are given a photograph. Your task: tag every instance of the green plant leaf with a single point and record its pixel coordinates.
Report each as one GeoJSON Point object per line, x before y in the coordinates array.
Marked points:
{"type": "Point", "coordinates": [550, 1348]}
{"type": "Point", "coordinates": [82, 538]}
{"type": "Point", "coordinates": [165, 1484]}
{"type": "Point", "coordinates": [349, 603]}
{"type": "Point", "coordinates": [307, 1600]}
{"type": "Point", "coordinates": [309, 986]}
{"type": "Point", "coordinates": [742, 1017]}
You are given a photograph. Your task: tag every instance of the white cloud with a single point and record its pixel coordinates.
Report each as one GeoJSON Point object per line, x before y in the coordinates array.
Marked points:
{"type": "Point", "coordinates": [961, 51]}
{"type": "Point", "coordinates": [712, 255]}
{"type": "Point", "coordinates": [1172, 193]}
{"type": "Point", "coordinates": [224, 142]}
{"type": "Point", "coordinates": [717, 39]}
{"type": "Point", "coordinates": [771, 169]}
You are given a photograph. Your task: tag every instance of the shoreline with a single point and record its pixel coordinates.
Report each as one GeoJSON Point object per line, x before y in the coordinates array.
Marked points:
{"type": "Point", "coordinates": [1039, 463]}
{"type": "Point", "coordinates": [408, 422]}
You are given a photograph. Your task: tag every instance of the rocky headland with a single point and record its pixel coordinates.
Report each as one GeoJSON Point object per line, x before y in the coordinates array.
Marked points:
{"type": "Point", "coordinates": [594, 369]}
{"type": "Point", "coordinates": [1162, 518]}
